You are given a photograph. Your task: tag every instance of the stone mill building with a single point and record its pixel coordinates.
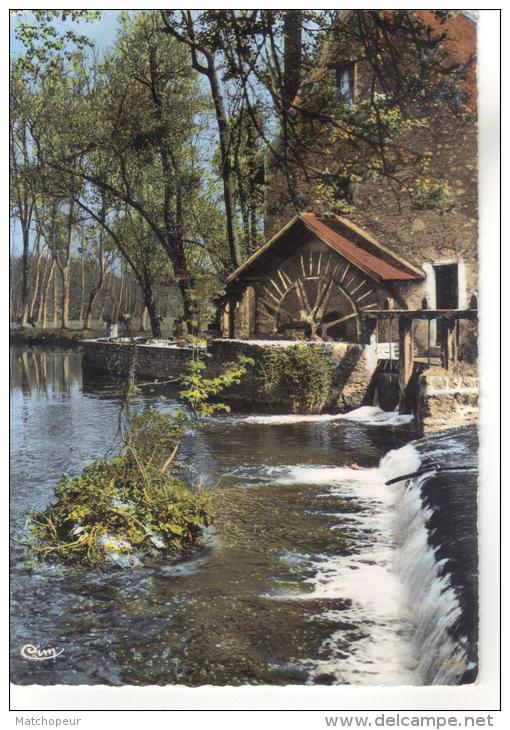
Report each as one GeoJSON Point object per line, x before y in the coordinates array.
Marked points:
{"type": "Point", "coordinates": [344, 239]}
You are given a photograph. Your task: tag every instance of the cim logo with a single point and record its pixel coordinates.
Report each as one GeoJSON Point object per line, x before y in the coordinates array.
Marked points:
{"type": "Point", "coordinates": [35, 654]}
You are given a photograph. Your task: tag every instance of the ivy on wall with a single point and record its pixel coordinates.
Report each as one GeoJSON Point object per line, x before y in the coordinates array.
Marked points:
{"type": "Point", "coordinates": [429, 193]}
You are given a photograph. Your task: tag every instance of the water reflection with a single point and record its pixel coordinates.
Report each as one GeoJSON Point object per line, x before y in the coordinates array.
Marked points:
{"type": "Point", "coordinates": [36, 373]}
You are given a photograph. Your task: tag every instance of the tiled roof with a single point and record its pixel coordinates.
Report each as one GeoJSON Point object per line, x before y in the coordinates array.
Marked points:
{"type": "Point", "coordinates": [353, 243]}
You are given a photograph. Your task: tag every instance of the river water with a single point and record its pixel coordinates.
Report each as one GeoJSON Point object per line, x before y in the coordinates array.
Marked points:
{"type": "Point", "coordinates": [314, 572]}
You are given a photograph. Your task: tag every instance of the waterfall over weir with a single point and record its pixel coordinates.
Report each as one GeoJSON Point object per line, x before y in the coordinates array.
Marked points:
{"type": "Point", "coordinates": [409, 586]}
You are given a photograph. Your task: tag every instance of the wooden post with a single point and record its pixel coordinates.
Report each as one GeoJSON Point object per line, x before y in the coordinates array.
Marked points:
{"type": "Point", "coordinates": [368, 325]}
{"type": "Point", "coordinates": [448, 342]}
{"type": "Point", "coordinates": [252, 310]}
{"type": "Point", "coordinates": [390, 342]}
{"type": "Point", "coordinates": [405, 355]}
{"type": "Point", "coordinates": [231, 319]}
{"type": "Point", "coordinates": [228, 321]}
{"type": "Point", "coordinates": [429, 323]}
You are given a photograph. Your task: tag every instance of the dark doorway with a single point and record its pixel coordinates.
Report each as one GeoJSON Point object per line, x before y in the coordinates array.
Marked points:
{"type": "Point", "coordinates": [447, 286]}
{"type": "Point", "coordinates": [447, 292]}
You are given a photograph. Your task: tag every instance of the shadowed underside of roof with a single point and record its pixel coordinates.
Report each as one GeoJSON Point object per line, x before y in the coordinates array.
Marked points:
{"type": "Point", "coordinates": [356, 245]}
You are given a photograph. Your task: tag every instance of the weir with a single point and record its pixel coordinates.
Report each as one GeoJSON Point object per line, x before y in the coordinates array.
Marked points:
{"type": "Point", "coordinates": [437, 555]}
{"type": "Point", "coordinates": [411, 583]}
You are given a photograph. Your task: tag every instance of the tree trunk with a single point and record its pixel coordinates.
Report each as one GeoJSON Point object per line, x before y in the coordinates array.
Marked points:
{"type": "Point", "coordinates": [55, 303]}
{"type": "Point", "coordinates": [82, 282]}
{"type": "Point", "coordinates": [226, 168]}
{"type": "Point", "coordinates": [90, 303]}
{"type": "Point", "coordinates": [42, 315]}
{"type": "Point", "coordinates": [292, 56]}
{"type": "Point", "coordinates": [150, 306]}
{"type": "Point", "coordinates": [127, 299]}
{"type": "Point", "coordinates": [143, 319]}
{"type": "Point", "coordinates": [95, 289]}
{"type": "Point", "coordinates": [121, 293]}
{"type": "Point", "coordinates": [36, 286]}
{"type": "Point", "coordinates": [105, 299]}
{"type": "Point", "coordinates": [25, 266]}
{"type": "Point", "coordinates": [64, 276]}
{"type": "Point", "coordinates": [134, 306]}
{"type": "Point", "coordinates": [209, 70]}
{"type": "Point", "coordinates": [186, 305]}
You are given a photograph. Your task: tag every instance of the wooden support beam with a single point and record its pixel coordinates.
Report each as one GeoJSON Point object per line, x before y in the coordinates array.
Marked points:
{"type": "Point", "coordinates": [405, 349]}
{"type": "Point", "coordinates": [231, 319]}
{"type": "Point", "coordinates": [448, 342]}
{"type": "Point", "coordinates": [471, 314]}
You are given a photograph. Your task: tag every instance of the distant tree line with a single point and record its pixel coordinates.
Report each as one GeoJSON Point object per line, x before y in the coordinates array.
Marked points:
{"type": "Point", "coordinates": [94, 297]}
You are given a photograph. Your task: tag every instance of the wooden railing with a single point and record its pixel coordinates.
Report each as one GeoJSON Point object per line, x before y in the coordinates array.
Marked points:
{"type": "Point", "coordinates": [447, 335]}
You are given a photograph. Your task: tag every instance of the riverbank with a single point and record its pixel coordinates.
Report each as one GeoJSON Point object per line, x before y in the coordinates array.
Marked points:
{"type": "Point", "coordinates": [62, 339]}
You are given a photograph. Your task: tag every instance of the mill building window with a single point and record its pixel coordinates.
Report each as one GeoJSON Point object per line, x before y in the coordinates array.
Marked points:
{"type": "Point", "coordinates": [345, 83]}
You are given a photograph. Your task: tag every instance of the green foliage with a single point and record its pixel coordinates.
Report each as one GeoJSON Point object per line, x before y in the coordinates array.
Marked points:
{"type": "Point", "coordinates": [374, 119]}
{"type": "Point", "coordinates": [303, 372]}
{"type": "Point", "coordinates": [332, 198]}
{"type": "Point", "coordinates": [198, 389]}
{"type": "Point", "coordinates": [134, 505]}
{"type": "Point", "coordinates": [120, 136]}
{"type": "Point", "coordinates": [130, 505]}
{"type": "Point", "coordinates": [46, 46]}
{"type": "Point", "coordinates": [429, 193]}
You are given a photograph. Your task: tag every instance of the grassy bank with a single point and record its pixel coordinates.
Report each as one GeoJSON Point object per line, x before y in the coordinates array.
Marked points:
{"type": "Point", "coordinates": [66, 339]}
{"type": "Point", "coordinates": [71, 337]}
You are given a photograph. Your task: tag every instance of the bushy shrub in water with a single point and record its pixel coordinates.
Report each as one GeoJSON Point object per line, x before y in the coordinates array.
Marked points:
{"type": "Point", "coordinates": [134, 505]}
{"type": "Point", "coordinates": [122, 509]}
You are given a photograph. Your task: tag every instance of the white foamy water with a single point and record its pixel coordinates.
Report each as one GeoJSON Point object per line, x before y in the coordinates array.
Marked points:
{"type": "Point", "coordinates": [368, 415]}
{"type": "Point", "coordinates": [399, 604]}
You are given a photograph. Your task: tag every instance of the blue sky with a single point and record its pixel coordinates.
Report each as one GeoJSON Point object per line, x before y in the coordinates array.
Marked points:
{"type": "Point", "coordinates": [101, 32]}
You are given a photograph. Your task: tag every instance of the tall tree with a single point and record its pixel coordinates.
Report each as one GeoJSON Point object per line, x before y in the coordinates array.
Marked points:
{"type": "Point", "coordinates": [131, 134]}
{"type": "Point", "coordinates": [23, 171]}
{"type": "Point", "coordinates": [279, 61]}
{"type": "Point", "coordinates": [204, 44]}
{"type": "Point", "coordinates": [97, 256]}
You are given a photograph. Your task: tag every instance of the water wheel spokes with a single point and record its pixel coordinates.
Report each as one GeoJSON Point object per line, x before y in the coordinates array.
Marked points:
{"type": "Point", "coordinates": [327, 325]}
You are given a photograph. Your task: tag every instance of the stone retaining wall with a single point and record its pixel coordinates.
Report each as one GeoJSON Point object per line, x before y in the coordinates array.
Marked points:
{"type": "Point", "coordinates": [352, 375]}
{"type": "Point", "coordinates": [446, 401]}
{"type": "Point", "coordinates": [159, 363]}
